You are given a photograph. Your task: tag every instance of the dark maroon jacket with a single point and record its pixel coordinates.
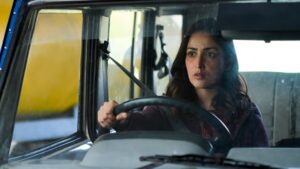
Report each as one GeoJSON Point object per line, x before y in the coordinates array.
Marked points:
{"type": "Point", "coordinates": [246, 128]}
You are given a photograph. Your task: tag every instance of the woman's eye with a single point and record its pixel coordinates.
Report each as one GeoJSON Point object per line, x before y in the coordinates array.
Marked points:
{"type": "Point", "coordinates": [191, 53]}
{"type": "Point", "coordinates": [210, 54]}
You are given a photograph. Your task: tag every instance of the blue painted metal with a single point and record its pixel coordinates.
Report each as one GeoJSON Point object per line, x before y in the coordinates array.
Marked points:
{"type": "Point", "coordinates": [9, 31]}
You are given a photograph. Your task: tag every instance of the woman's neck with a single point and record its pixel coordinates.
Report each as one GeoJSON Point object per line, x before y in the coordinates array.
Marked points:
{"type": "Point", "coordinates": [205, 97]}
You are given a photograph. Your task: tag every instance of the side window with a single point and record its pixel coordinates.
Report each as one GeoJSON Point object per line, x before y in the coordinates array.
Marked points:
{"type": "Point", "coordinates": [5, 7]}
{"type": "Point", "coordinates": [172, 31]}
{"type": "Point", "coordinates": [48, 105]}
{"type": "Point", "coordinates": [126, 48]}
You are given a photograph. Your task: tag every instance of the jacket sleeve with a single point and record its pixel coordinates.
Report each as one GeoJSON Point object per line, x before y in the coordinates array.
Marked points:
{"type": "Point", "coordinates": [252, 132]}
{"type": "Point", "coordinates": [150, 118]}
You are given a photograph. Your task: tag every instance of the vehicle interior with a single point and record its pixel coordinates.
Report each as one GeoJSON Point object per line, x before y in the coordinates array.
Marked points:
{"type": "Point", "coordinates": [65, 59]}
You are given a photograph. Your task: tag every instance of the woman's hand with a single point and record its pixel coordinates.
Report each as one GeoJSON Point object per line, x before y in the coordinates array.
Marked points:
{"type": "Point", "coordinates": [106, 118]}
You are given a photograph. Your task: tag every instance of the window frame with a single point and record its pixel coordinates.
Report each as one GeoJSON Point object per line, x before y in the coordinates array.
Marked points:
{"type": "Point", "coordinates": [14, 69]}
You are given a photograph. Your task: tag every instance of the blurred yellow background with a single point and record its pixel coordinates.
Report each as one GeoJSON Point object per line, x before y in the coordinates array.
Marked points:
{"type": "Point", "coordinates": [47, 89]}
{"type": "Point", "coordinates": [51, 80]}
{"type": "Point", "coordinates": [5, 7]}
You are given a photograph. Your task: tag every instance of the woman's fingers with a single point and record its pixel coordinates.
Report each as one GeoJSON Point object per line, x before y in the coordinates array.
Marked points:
{"type": "Point", "coordinates": [105, 114]}
{"type": "Point", "coordinates": [108, 123]}
{"type": "Point", "coordinates": [122, 116]}
{"type": "Point", "coordinates": [106, 118]}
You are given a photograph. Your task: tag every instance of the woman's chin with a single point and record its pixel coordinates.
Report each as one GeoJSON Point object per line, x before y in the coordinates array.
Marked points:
{"type": "Point", "coordinates": [203, 86]}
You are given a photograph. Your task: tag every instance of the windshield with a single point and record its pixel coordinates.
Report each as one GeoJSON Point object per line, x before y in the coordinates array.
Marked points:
{"type": "Point", "coordinates": [153, 83]}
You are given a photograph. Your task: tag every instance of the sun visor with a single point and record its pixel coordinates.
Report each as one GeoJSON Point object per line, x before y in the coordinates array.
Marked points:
{"type": "Point", "coordinates": [260, 21]}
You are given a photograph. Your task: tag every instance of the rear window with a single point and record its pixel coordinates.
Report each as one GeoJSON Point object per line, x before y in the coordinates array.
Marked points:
{"type": "Point", "coordinates": [274, 56]}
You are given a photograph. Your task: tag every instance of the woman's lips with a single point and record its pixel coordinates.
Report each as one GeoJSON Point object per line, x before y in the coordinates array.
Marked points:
{"type": "Point", "coordinates": [199, 76]}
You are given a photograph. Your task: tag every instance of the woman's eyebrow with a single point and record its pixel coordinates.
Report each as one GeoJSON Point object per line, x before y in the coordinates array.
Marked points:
{"type": "Point", "coordinates": [210, 48]}
{"type": "Point", "coordinates": [191, 48]}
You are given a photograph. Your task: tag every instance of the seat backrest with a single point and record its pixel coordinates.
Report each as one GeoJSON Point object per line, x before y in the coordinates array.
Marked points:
{"type": "Point", "coordinates": [276, 94]}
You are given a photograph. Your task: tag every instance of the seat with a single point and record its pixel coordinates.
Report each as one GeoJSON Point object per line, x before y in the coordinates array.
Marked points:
{"type": "Point", "coordinates": [276, 94]}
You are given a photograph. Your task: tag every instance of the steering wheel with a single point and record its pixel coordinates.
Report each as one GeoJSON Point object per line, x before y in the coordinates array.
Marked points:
{"type": "Point", "coordinates": [222, 143]}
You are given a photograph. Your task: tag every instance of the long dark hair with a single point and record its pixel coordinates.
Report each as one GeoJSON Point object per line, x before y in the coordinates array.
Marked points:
{"type": "Point", "coordinates": [232, 93]}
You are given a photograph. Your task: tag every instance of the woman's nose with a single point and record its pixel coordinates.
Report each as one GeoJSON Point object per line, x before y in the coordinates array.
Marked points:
{"type": "Point", "coordinates": [200, 62]}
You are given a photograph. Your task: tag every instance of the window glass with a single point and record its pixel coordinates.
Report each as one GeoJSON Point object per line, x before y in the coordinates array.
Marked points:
{"type": "Point", "coordinates": [136, 51]}
{"type": "Point", "coordinates": [5, 7]}
{"type": "Point", "coordinates": [274, 56]}
{"type": "Point", "coordinates": [126, 48]}
{"type": "Point", "coordinates": [48, 105]}
{"type": "Point", "coordinates": [172, 31]}
{"type": "Point", "coordinates": [280, 1]}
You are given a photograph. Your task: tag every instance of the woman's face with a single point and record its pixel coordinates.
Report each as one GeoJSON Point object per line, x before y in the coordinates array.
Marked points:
{"type": "Point", "coordinates": [204, 61]}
